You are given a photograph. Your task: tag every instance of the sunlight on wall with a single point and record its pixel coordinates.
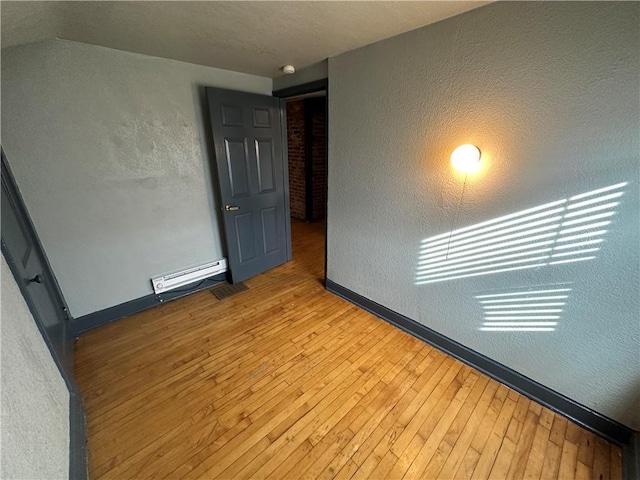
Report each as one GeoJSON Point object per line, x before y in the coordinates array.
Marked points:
{"type": "Point", "coordinates": [564, 231]}
{"type": "Point", "coordinates": [537, 310]}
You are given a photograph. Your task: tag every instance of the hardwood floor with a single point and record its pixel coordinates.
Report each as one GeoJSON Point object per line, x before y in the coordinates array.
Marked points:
{"type": "Point", "coordinates": [287, 381]}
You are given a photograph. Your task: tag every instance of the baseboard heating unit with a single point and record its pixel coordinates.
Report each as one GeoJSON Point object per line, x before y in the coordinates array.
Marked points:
{"type": "Point", "coordinates": [189, 275]}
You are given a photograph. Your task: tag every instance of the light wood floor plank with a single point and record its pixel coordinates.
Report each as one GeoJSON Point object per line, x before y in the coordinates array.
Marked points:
{"type": "Point", "coordinates": [211, 466]}
{"type": "Point", "coordinates": [491, 447]}
{"type": "Point", "coordinates": [335, 414]}
{"type": "Point", "coordinates": [601, 460]}
{"type": "Point", "coordinates": [337, 439]}
{"type": "Point", "coordinates": [505, 455]}
{"type": "Point", "coordinates": [535, 462]}
{"type": "Point", "coordinates": [385, 432]}
{"type": "Point", "coordinates": [434, 430]}
{"type": "Point", "coordinates": [551, 464]}
{"type": "Point", "coordinates": [461, 443]}
{"type": "Point", "coordinates": [287, 381]}
{"type": "Point", "coordinates": [523, 447]}
{"type": "Point", "coordinates": [568, 461]}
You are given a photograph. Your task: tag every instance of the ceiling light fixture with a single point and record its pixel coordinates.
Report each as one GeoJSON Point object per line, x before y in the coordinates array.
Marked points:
{"type": "Point", "coordinates": [289, 69]}
{"type": "Point", "coordinates": [466, 158]}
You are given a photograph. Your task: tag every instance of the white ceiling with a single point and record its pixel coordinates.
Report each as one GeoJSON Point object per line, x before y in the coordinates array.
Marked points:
{"type": "Point", "coordinates": [254, 37]}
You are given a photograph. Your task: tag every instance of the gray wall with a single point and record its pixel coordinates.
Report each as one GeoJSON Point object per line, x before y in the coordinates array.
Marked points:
{"type": "Point", "coordinates": [35, 399]}
{"type": "Point", "coordinates": [550, 93]}
{"type": "Point", "coordinates": [111, 155]}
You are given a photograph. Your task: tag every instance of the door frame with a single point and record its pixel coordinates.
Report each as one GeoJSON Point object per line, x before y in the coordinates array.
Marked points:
{"type": "Point", "coordinates": [294, 91]}
{"type": "Point", "coordinates": [285, 167]}
{"type": "Point", "coordinates": [78, 457]}
{"type": "Point", "coordinates": [23, 215]}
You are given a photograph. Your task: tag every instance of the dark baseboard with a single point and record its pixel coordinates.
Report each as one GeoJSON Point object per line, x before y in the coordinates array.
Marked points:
{"type": "Point", "coordinates": [77, 439]}
{"type": "Point", "coordinates": [599, 424]}
{"type": "Point", "coordinates": [97, 319]}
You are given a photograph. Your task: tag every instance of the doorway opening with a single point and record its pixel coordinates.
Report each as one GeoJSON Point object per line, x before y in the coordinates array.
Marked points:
{"type": "Point", "coordinates": [307, 156]}
{"type": "Point", "coordinates": [306, 131]}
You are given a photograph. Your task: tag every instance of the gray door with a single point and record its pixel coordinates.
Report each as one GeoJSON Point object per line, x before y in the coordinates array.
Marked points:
{"type": "Point", "coordinates": [247, 136]}
{"type": "Point", "coordinates": [30, 268]}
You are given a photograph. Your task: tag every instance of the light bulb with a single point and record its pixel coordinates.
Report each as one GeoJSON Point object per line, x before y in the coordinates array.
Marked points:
{"type": "Point", "coordinates": [466, 158]}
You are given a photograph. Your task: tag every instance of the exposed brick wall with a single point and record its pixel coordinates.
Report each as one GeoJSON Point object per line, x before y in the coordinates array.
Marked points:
{"type": "Point", "coordinates": [296, 138]}
{"type": "Point", "coordinates": [296, 152]}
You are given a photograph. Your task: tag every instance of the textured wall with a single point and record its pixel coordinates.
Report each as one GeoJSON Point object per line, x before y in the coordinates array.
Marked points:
{"type": "Point", "coordinates": [35, 399]}
{"type": "Point", "coordinates": [112, 157]}
{"type": "Point", "coordinates": [319, 156]}
{"type": "Point", "coordinates": [550, 94]}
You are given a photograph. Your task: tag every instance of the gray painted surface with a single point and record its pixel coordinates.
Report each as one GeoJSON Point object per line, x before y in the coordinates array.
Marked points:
{"type": "Point", "coordinates": [35, 400]}
{"type": "Point", "coordinates": [100, 318]}
{"type": "Point", "coordinates": [317, 71]}
{"type": "Point", "coordinates": [254, 37]}
{"type": "Point", "coordinates": [28, 262]}
{"type": "Point", "coordinates": [246, 132]}
{"type": "Point", "coordinates": [550, 94]}
{"type": "Point", "coordinates": [110, 152]}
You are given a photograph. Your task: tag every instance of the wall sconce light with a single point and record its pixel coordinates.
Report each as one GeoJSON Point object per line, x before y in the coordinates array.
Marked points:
{"type": "Point", "coordinates": [466, 158]}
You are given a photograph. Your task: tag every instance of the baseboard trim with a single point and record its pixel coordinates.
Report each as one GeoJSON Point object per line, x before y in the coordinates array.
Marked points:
{"type": "Point", "coordinates": [605, 427]}
{"type": "Point", "coordinates": [78, 466]}
{"type": "Point", "coordinates": [97, 319]}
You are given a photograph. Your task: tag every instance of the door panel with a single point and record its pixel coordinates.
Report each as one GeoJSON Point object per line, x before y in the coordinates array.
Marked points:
{"type": "Point", "coordinates": [231, 115]}
{"type": "Point", "coordinates": [270, 233]}
{"type": "Point", "coordinates": [264, 157]}
{"type": "Point", "coordinates": [245, 236]}
{"type": "Point", "coordinates": [261, 117]}
{"type": "Point", "coordinates": [29, 265]}
{"type": "Point", "coordinates": [250, 159]}
{"type": "Point", "coordinates": [238, 166]}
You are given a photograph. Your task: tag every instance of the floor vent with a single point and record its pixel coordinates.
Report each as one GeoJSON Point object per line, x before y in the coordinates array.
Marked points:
{"type": "Point", "coordinates": [225, 291]}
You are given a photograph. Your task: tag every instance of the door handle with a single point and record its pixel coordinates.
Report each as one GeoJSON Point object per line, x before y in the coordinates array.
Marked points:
{"type": "Point", "coordinates": [36, 279]}
{"type": "Point", "coordinates": [231, 208]}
